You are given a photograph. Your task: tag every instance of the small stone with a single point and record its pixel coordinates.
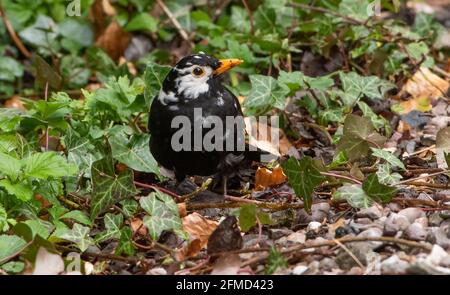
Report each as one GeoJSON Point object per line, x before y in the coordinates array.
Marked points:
{"type": "Point", "coordinates": [423, 221]}
{"type": "Point", "coordinates": [373, 212]}
{"type": "Point", "coordinates": [299, 269]}
{"type": "Point", "coordinates": [412, 213]}
{"type": "Point", "coordinates": [435, 219]}
{"type": "Point", "coordinates": [416, 232]}
{"type": "Point", "coordinates": [157, 271]}
{"type": "Point", "coordinates": [276, 233]}
{"type": "Point", "coordinates": [314, 226]}
{"type": "Point", "coordinates": [395, 223]}
{"type": "Point", "coordinates": [355, 271]}
{"type": "Point", "coordinates": [372, 232]}
{"type": "Point", "coordinates": [364, 220]}
{"type": "Point", "coordinates": [320, 211]}
{"type": "Point", "coordinates": [328, 264]}
{"type": "Point", "coordinates": [394, 207]}
{"type": "Point", "coordinates": [438, 235]}
{"type": "Point", "coordinates": [394, 266]}
{"type": "Point", "coordinates": [362, 251]}
{"type": "Point", "coordinates": [296, 237]}
{"type": "Point", "coordinates": [439, 256]}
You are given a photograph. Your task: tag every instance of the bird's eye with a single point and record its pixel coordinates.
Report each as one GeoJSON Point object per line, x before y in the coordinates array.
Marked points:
{"type": "Point", "coordinates": [198, 72]}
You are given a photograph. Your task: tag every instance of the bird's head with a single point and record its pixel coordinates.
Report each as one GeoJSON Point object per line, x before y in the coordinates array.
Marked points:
{"type": "Point", "coordinates": [196, 74]}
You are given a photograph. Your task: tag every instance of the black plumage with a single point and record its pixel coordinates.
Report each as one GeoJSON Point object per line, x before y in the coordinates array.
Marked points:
{"type": "Point", "coordinates": [182, 92]}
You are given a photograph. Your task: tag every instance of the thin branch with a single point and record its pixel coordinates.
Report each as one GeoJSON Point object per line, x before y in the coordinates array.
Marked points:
{"type": "Point", "coordinates": [250, 16]}
{"type": "Point", "coordinates": [13, 34]}
{"type": "Point", "coordinates": [340, 176]}
{"type": "Point", "coordinates": [155, 187]}
{"type": "Point", "coordinates": [421, 177]}
{"type": "Point", "coordinates": [175, 22]}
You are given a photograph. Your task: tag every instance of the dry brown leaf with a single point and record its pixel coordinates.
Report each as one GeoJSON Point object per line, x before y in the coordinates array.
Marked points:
{"type": "Point", "coordinates": [332, 227]}
{"type": "Point", "coordinates": [421, 104]}
{"type": "Point", "coordinates": [191, 250]}
{"type": "Point", "coordinates": [14, 102]}
{"type": "Point", "coordinates": [99, 14]}
{"type": "Point", "coordinates": [198, 227]}
{"type": "Point", "coordinates": [425, 83]}
{"type": "Point", "coordinates": [260, 135]}
{"type": "Point", "coordinates": [182, 210]}
{"type": "Point", "coordinates": [137, 226]}
{"type": "Point", "coordinates": [114, 40]}
{"type": "Point", "coordinates": [265, 177]}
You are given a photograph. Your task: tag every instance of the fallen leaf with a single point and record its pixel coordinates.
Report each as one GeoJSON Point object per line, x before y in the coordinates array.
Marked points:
{"type": "Point", "coordinates": [265, 177]}
{"type": "Point", "coordinates": [137, 226]}
{"type": "Point", "coordinates": [421, 104]}
{"type": "Point", "coordinates": [424, 83]}
{"type": "Point", "coordinates": [14, 102]}
{"type": "Point", "coordinates": [182, 210]}
{"type": "Point", "coordinates": [99, 13]}
{"type": "Point", "coordinates": [114, 40]}
{"type": "Point", "coordinates": [191, 250]}
{"type": "Point", "coordinates": [198, 227]}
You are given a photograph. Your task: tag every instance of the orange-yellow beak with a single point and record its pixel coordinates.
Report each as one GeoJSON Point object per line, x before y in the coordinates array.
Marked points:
{"type": "Point", "coordinates": [227, 64]}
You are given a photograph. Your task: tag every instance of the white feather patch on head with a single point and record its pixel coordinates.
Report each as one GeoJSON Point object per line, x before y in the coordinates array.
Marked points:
{"type": "Point", "coordinates": [192, 86]}
{"type": "Point", "coordinates": [166, 98]}
{"type": "Point", "coordinates": [220, 101]}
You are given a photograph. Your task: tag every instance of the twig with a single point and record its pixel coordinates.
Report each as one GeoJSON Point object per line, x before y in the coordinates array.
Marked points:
{"type": "Point", "coordinates": [47, 129]}
{"type": "Point", "coordinates": [13, 34]}
{"type": "Point", "coordinates": [199, 190]}
{"type": "Point", "coordinates": [350, 253]}
{"type": "Point", "coordinates": [327, 11]}
{"type": "Point", "coordinates": [427, 184]}
{"type": "Point", "coordinates": [155, 187]}
{"type": "Point", "coordinates": [250, 16]}
{"type": "Point", "coordinates": [421, 177]}
{"type": "Point", "coordinates": [340, 176]}
{"type": "Point", "coordinates": [175, 22]}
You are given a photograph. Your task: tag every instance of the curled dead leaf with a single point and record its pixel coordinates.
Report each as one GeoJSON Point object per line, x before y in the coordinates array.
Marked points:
{"type": "Point", "coordinates": [15, 103]}
{"type": "Point", "coordinates": [114, 40]}
{"type": "Point", "coordinates": [137, 226]}
{"type": "Point", "coordinates": [182, 210]}
{"type": "Point", "coordinates": [265, 177]}
{"type": "Point", "coordinates": [425, 83]}
{"type": "Point", "coordinates": [198, 227]}
{"type": "Point", "coordinates": [421, 104]}
{"type": "Point", "coordinates": [191, 250]}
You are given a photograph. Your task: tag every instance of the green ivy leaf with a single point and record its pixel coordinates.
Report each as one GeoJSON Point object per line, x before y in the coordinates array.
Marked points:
{"type": "Point", "coordinates": [107, 187]}
{"type": "Point", "coordinates": [377, 191]}
{"type": "Point", "coordinates": [249, 216]}
{"type": "Point", "coordinates": [359, 136]}
{"type": "Point", "coordinates": [4, 226]}
{"type": "Point", "coordinates": [163, 214]}
{"type": "Point", "coordinates": [142, 21]}
{"type": "Point", "coordinates": [154, 76]}
{"type": "Point", "coordinates": [10, 246]}
{"type": "Point", "coordinates": [133, 151]}
{"type": "Point", "coordinates": [388, 157]}
{"type": "Point", "coordinates": [264, 95]}
{"type": "Point", "coordinates": [48, 164]}
{"type": "Point", "coordinates": [354, 195]}
{"type": "Point", "coordinates": [355, 87]}
{"type": "Point", "coordinates": [78, 234]}
{"type": "Point", "coordinates": [78, 216]}
{"type": "Point", "coordinates": [385, 176]}
{"type": "Point", "coordinates": [303, 176]}
{"type": "Point", "coordinates": [113, 224]}
{"type": "Point", "coordinates": [129, 207]}
{"type": "Point", "coordinates": [125, 242]}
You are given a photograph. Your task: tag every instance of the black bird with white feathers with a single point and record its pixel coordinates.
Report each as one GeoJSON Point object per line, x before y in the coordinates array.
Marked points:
{"type": "Point", "coordinates": [194, 84]}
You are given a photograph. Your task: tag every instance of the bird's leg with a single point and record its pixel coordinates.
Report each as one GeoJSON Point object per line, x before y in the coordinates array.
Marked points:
{"type": "Point", "coordinates": [225, 183]}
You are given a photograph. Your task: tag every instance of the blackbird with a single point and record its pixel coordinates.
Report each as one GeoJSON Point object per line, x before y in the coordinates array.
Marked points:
{"type": "Point", "coordinates": [188, 106]}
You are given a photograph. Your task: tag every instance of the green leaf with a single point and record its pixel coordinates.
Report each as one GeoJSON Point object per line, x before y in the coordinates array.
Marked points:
{"type": "Point", "coordinates": [78, 216]}
{"type": "Point", "coordinates": [9, 119]}
{"type": "Point", "coordinates": [154, 76]}
{"type": "Point", "coordinates": [355, 87]}
{"type": "Point", "coordinates": [10, 166]}
{"type": "Point", "coordinates": [264, 95]}
{"type": "Point", "coordinates": [10, 69]}
{"type": "Point", "coordinates": [14, 267]}
{"type": "Point", "coordinates": [377, 191]}
{"type": "Point", "coordinates": [10, 246]}
{"type": "Point", "coordinates": [357, 9]}
{"type": "Point", "coordinates": [39, 227]}
{"type": "Point", "coordinates": [107, 187]}
{"type": "Point", "coordinates": [125, 242]}
{"type": "Point", "coordinates": [46, 74]}
{"type": "Point", "coordinates": [113, 224]}
{"type": "Point", "coordinates": [388, 157]}
{"type": "Point", "coordinates": [22, 190]}
{"type": "Point", "coordinates": [377, 121]}
{"type": "Point", "coordinates": [78, 234]}
{"type": "Point", "coordinates": [129, 207]}
{"type": "Point", "coordinates": [385, 176]}
{"type": "Point", "coordinates": [163, 214]}
{"type": "Point", "coordinates": [3, 219]}
{"type": "Point", "coordinates": [48, 164]}
{"type": "Point", "coordinates": [142, 21]}
{"type": "Point", "coordinates": [359, 136]}
{"type": "Point", "coordinates": [276, 260]}
{"type": "Point", "coordinates": [133, 151]}
{"type": "Point", "coordinates": [354, 195]}
{"type": "Point", "coordinates": [303, 176]}
{"type": "Point", "coordinates": [249, 216]}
